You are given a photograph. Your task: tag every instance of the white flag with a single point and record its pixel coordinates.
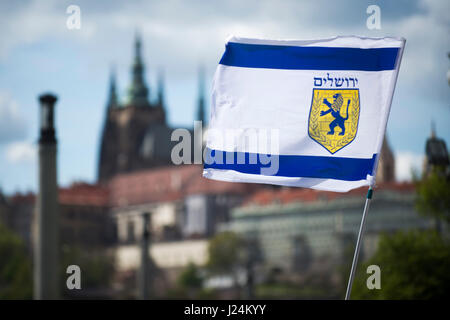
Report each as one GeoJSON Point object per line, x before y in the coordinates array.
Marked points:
{"type": "Point", "coordinates": [301, 113]}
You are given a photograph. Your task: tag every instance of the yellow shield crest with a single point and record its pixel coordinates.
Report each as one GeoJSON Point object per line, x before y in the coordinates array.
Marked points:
{"type": "Point", "coordinates": [334, 117]}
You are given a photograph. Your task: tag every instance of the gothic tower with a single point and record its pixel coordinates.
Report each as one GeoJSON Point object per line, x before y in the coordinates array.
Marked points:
{"type": "Point", "coordinates": [436, 154]}
{"type": "Point", "coordinates": [386, 164]}
{"type": "Point", "coordinates": [127, 124]}
{"type": "Point", "coordinates": [138, 92]}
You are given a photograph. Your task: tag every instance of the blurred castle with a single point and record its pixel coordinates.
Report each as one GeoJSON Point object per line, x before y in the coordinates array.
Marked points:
{"type": "Point", "coordinates": [135, 134]}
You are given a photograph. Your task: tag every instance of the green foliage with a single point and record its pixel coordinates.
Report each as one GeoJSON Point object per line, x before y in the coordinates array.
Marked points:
{"type": "Point", "coordinates": [433, 195]}
{"type": "Point", "coordinates": [190, 277]}
{"type": "Point", "coordinates": [225, 252]}
{"type": "Point", "coordinates": [97, 266]}
{"type": "Point", "coordinates": [189, 285]}
{"type": "Point", "coordinates": [16, 281]}
{"type": "Point", "coordinates": [414, 265]}
{"type": "Point", "coordinates": [314, 286]}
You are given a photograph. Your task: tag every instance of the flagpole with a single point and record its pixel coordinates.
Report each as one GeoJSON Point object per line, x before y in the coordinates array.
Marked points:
{"type": "Point", "coordinates": [358, 244]}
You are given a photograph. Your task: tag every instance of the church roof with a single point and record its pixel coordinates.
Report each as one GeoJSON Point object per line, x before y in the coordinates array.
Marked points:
{"type": "Point", "coordinates": [167, 184]}
{"type": "Point", "coordinates": [84, 194]}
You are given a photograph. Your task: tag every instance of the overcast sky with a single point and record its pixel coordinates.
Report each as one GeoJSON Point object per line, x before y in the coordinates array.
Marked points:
{"type": "Point", "coordinates": [38, 53]}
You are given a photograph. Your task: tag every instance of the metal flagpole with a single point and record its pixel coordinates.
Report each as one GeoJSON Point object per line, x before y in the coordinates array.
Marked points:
{"type": "Point", "coordinates": [358, 244]}
{"type": "Point", "coordinates": [144, 276]}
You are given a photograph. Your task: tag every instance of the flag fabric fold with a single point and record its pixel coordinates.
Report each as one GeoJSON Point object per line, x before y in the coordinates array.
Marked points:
{"type": "Point", "coordinates": [301, 113]}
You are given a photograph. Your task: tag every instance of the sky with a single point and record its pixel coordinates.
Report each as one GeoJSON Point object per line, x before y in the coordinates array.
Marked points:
{"type": "Point", "coordinates": [38, 53]}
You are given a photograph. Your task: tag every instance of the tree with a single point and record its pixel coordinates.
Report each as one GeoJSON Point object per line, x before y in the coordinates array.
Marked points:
{"type": "Point", "coordinates": [189, 285]}
{"type": "Point", "coordinates": [190, 277]}
{"type": "Point", "coordinates": [16, 281]}
{"type": "Point", "coordinates": [433, 195]}
{"type": "Point", "coordinates": [414, 265]}
{"type": "Point", "coordinates": [225, 252]}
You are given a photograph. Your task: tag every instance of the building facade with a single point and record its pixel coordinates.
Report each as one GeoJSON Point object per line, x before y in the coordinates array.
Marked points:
{"type": "Point", "coordinates": [299, 230]}
{"type": "Point", "coordinates": [182, 204]}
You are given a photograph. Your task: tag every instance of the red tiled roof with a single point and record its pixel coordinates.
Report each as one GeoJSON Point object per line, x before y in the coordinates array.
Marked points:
{"type": "Point", "coordinates": [201, 185]}
{"type": "Point", "coordinates": [289, 195]}
{"type": "Point", "coordinates": [166, 184]}
{"type": "Point", "coordinates": [175, 182]}
{"type": "Point", "coordinates": [147, 186]}
{"type": "Point", "coordinates": [84, 194]}
{"type": "Point", "coordinates": [22, 198]}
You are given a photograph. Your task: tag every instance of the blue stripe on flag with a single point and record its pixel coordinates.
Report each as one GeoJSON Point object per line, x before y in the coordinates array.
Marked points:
{"type": "Point", "coordinates": [308, 58]}
{"type": "Point", "coordinates": [349, 169]}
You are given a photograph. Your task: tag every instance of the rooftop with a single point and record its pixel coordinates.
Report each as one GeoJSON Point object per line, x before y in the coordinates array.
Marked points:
{"type": "Point", "coordinates": [287, 195]}
{"type": "Point", "coordinates": [84, 194]}
{"type": "Point", "coordinates": [167, 184]}
{"type": "Point", "coordinates": [173, 183]}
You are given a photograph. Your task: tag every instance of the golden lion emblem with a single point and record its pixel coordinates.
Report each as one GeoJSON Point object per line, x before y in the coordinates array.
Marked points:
{"type": "Point", "coordinates": [330, 125]}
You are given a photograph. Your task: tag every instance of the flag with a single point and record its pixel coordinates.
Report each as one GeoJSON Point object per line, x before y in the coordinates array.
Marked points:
{"type": "Point", "coordinates": [301, 113]}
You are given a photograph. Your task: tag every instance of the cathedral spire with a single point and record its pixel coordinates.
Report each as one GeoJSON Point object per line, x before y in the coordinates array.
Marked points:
{"type": "Point", "coordinates": [201, 96]}
{"type": "Point", "coordinates": [138, 92]}
{"type": "Point", "coordinates": [112, 95]}
{"type": "Point", "coordinates": [161, 87]}
{"type": "Point", "coordinates": [433, 129]}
